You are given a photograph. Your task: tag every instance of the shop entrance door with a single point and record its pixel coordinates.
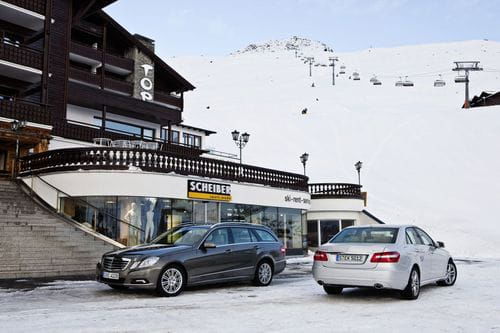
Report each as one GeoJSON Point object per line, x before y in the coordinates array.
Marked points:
{"type": "Point", "coordinates": [328, 229]}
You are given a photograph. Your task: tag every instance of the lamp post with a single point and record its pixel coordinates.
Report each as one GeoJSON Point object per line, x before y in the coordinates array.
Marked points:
{"type": "Point", "coordinates": [240, 140]}
{"type": "Point", "coordinates": [358, 166]}
{"type": "Point", "coordinates": [333, 59]}
{"type": "Point", "coordinates": [310, 60]}
{"type": "Point", "coordinates": [16, 126]}
{"type": "Point", "coordinates": [303, 158]}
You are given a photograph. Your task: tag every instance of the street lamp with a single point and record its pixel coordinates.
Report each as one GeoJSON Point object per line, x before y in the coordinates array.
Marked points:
{"type": "Point", "coordinates": [303, 158]}
{"type": "Point", "coordinates": [358, 166]}
{"type": "Point", "coordinates": [240, 140]}
{"type": "Point", "coordinates": [16, 126]}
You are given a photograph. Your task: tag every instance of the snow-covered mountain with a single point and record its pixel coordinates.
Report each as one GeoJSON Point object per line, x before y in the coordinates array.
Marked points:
{"type": "Point", "coordinates": [426, 160]}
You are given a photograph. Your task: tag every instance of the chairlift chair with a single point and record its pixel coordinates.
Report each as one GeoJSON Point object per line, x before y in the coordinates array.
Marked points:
{"type": "Point", "coordinates": [407, 83]}
{"type": "Point", "coordinates": [461, 79]}
{"type": "Point", "coordinates": [377, 82]}
{"type": "Point", "coordinates": [373, 79]}
{"type": "Point", "coordinates": [439, 82]}
{"type": "Point", "coordinates": [342, 69]}
{"type": "Point", "coordinates": [355, 76]}
{"type": "Point", "coordinates": [399, 83]}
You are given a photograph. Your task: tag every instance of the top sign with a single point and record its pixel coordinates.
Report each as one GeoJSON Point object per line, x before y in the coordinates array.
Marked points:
{"type": "Point", "coordinates": [146, 83]}
{"type": "Point", "coordinates": [208, 191]}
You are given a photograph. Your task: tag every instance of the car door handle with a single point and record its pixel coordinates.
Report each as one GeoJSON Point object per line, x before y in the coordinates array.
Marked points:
{"type": "Point", "coordinates": [228, 250]}
{"type": "Point", "coordinates": [256, 247]}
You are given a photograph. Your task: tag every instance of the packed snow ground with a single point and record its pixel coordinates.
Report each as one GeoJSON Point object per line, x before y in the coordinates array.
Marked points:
{"type": "Point", "coordinates": [293, 303]}
{"type": "Point", "coordinates": [426, 160]}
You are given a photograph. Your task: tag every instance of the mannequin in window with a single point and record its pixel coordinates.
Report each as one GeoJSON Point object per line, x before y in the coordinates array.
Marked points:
{"type": "Point", "coordinates": [132, 217]}
{"type": "Point", "coordinates": [150, 226]}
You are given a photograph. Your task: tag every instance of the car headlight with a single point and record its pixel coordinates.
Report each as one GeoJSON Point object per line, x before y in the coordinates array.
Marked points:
{"type": "Point", "coordinates": [150, 261]}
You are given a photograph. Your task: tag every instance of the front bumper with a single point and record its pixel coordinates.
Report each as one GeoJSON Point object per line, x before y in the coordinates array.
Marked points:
{"type": "Point", "coordinates": [387, 276]}
{"type": "Point", "coordinates": [142, 278]}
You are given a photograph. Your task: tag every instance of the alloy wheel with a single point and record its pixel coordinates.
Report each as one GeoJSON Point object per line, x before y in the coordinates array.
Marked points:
{"type": "Point", "coordinates": [451, 274]}
{"type": "Point", "coordinates": [415, 283]}
{"type": "Point", "coordinates": [265, 273]}
{"type": "Point", "coordinates": [172, 280]}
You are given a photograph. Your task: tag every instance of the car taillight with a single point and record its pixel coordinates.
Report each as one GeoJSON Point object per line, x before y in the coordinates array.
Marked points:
{"type": "Point", "coordinates": [320, 256]}
{"type": "Point", "coordinates": [283, 250]}
{"type": "Point", "coordinates": [385, 257]}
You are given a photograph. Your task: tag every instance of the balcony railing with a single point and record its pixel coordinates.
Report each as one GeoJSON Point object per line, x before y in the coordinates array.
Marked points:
{"type": "Point", "coordinates": [108, 158]}
{"type": "Point", "coordinates": [95, 79]}
{"type": "Point", "coordinates": [335, 190]}
{"type": "Point", "coordinates": [37, 6]}
{"type": "Point", "coordinates": [87, 132]}
{"type": "Point", "coordinates": [21, 110]}
{"type": "Point", "coordinates": [96, 54]}
{"type": "Point", "coordinates": [21, 55]}
{"type": "Point", "coordinates": [166, 98]}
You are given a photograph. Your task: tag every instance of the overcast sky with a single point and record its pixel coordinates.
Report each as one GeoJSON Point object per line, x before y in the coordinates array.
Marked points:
{"type": "Point", "coordinates": [218, 27]}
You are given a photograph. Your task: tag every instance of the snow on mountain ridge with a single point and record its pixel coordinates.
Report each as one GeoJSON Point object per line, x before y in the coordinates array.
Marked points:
{"type": "Point", "coordinates": [295, 42]}
{"type": "Point", "coordinates": [426, 160]}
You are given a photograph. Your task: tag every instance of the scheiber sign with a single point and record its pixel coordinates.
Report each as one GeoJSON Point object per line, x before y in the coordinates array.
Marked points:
{"type": "Point", "coordinates": [209, 191]}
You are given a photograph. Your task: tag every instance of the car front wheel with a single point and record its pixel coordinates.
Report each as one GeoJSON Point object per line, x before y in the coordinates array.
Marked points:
{"type": "Point", "coordinates": [451, 275]}
{"type": "Point", "coordinates": [412, 289]}
{"type": "Point", "coordinates": [171, 281]}
{"type": "Point", "coordinates": [263, 274]}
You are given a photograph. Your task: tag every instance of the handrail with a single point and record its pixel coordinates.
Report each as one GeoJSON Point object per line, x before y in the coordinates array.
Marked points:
{"type": "Point", "coordinates": [335, 190]}
{"type": "Point", "coordinates": [87, 203]}
{"type": "Point", "coordinates": [114, 158]}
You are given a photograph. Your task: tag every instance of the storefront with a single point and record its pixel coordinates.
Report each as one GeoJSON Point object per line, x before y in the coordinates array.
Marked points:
{"type": "Point", "coordinates": [127, 207]}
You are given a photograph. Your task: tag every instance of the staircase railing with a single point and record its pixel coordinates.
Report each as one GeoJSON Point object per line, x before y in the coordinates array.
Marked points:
{"type": "Point", "coordinates": [62, 194]}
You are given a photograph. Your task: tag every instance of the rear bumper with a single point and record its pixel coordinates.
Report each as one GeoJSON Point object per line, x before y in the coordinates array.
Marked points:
{"type": "Point", "coordinates": [387, 276]}
{"type": "Point", "coordinates": [279, 266]}
{"type": "Point", "coordinates": [143, 278]}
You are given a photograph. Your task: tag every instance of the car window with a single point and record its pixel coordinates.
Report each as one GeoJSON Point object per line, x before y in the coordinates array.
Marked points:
{"type": "Point", "coordinates": [426, 239]}
{"type": "Point", "coordinates": [219, 237]}
{"type": "Point", "coordinates": [412, 236]}
{"type": "Point", "coordinates": [241, 235]}
{"type": "Point", "coordinates": [366, 235]}
{"type": "Point", "coordinates": [181, 236]}
{"type": "Point", "coordinates": [264, 236]}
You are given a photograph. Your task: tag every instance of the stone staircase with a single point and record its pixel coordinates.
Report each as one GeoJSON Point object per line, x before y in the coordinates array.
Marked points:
{"type": "Point", "coordinates": [36, 243]}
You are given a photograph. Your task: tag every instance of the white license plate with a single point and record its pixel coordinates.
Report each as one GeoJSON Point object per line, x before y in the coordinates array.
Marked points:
{"type": "Point", "coordinates": [353, 258]}
{"type": "Point", "coordinates": [111, 276]}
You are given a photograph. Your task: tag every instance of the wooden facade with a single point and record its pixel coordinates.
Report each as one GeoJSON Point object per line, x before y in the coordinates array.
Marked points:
{"type": "Point", "coordinates": [84, 59]}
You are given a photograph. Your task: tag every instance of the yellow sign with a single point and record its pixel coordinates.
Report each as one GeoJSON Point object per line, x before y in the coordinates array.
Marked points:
{"type": "Point", "coordinates": [208, 191]}
{"type": "Point", "coordinates": [209, 196]}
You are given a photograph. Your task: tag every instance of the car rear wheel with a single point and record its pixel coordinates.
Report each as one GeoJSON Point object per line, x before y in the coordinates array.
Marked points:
{"type": "Point", "coordinates": [171, 281]}
{"type": "Point", "coordinates": [412, 289]}
{"type": "Point", "coordinates": [332, 290]}
{"type": "Point", "coordinates": [263, 274]}
{"type": "Point", "coordinates": [451, 275]}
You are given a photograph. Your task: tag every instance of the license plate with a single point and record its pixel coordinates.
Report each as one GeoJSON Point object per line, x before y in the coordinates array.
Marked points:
{"type": "Point", "coordinates": [111, 276]}
{"type": "Point", "coordinates": [350, 258]}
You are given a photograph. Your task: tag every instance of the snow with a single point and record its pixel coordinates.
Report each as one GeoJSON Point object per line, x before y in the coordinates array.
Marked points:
{"type": "Point", "coordinates": [293, 303]}
{"type": "Point", "coordinates": [426, 160]}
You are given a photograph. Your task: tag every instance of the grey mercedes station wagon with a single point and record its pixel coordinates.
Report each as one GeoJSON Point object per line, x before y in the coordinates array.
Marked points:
{"type": "Point", "coordinates": [196, 254]}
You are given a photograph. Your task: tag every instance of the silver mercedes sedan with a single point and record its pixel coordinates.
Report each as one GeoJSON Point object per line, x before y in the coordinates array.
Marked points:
{"type": "Point", "coordinates": [401, 257]}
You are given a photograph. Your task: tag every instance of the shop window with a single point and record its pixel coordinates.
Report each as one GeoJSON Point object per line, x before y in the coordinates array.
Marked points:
{"type": "Point", "coordinates": [199, 212]}
{"type": "Point", "coordinates": [182, 212]}
{"type": "Point", "coordinates": [235, 213]}
{"type": "Point", "coordinates": [212, 212]}
{"type": "Point", "coordinates": [347, 223]}
{"type": "Point", "coordinates": [312, 233]}
{"type": "Point", "coordinates": [328, 229]}
{"type": "Point", "coordinates": [290, 227]}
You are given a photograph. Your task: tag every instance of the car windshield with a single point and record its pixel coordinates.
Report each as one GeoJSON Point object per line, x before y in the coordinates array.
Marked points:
{"type": "Point", "coordinates": [366, 235]}
{"type": "Point", "coordinates": [181, 236]}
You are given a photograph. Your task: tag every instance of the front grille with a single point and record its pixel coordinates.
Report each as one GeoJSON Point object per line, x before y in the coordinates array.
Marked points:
{"type": "Point", "coordinates": [115, 264]}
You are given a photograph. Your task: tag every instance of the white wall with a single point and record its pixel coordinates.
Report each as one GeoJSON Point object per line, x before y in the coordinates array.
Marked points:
{"type": "Point", "coordinates": [149, 184]}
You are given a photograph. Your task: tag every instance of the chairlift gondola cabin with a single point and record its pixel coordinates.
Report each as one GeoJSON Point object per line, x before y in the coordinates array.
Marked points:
{"type": "Point", "coordinates": [399, 83]}
{"type": "Point", "coordinates": [439, 82]}
{"type": "Point", "coordinates": [407, 83]}
{"type": "Point", "coordinates": [461, 79]}
{"type": "Point", "coordinates": [355, 76]}
{"type": "Point", "coordinates": [342, 69]}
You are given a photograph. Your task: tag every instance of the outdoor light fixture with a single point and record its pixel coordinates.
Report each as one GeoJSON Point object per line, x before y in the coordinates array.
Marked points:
{"type": "Point", "coordinates": [303, 158]}
{"type": "Point", "coordinates": [358, 166]}
{"type": "Point", "coordinates": [16, 126]}
{"type": "Point", "coordinates": [240, 141]}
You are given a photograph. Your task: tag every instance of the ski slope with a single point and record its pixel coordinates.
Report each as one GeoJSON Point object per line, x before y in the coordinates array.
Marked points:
{"type": "Point", "coordinates": [425, 160]}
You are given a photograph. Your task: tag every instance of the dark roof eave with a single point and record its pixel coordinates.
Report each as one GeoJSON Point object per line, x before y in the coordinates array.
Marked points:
{"type": "Point", "coordinates": [207, 132]}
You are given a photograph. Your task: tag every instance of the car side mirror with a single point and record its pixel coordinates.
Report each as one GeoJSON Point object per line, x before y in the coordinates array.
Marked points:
{"type": "Point", "coordinates": [209, 245]}
{"type": "Point", "coordinates": [440, 244]}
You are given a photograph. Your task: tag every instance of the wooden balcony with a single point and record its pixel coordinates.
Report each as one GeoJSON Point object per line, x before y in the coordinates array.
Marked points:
{"type": "Point", "coordinates": [21, 55]}
{"type": "Point", "coordinates": [166, 98]}
{"type": "Point", "coordinates": [335, 191]}
{"type": "Point", "coordinates": [95, 79]}
{"type": "Point", "coordinates": [37, 6]}
{"type": "Point", "coordinates": [94, 54]}
{"type": "Point", "coordinates": [21, 110]}
{"type": "Point", "coordinates": [108, 158]}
